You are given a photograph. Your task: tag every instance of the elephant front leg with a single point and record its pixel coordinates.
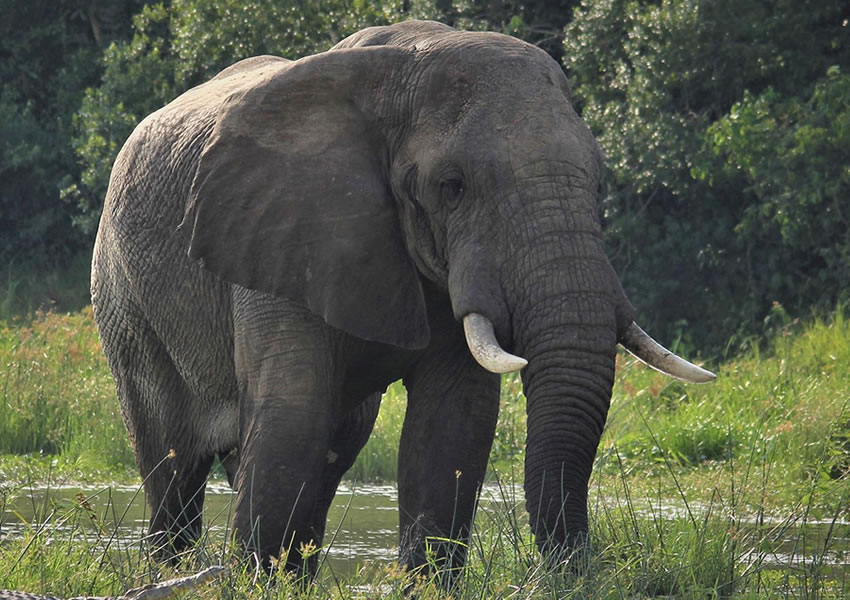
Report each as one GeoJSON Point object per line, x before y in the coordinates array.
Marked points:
{"type": "Point", "coordinates": [452, 409]}
{"type": "Point", "coordinates": [283, 453]}
{"type": "Point", "coordinates": [350, 436]}
{"type": "Point", "coordinates": [287, 406]}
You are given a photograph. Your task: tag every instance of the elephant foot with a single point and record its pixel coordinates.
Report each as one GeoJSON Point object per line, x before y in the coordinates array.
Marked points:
{"type": "Point", "coordinates": [575, 554]}
{"type": "Point", "coordinates": [425, 552]}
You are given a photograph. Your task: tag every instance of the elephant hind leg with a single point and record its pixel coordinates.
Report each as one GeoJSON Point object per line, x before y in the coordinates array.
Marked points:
{"type": "Point", "coordinates": [159, 411]}
{"type": "Point", "coordinates": [176, 502]}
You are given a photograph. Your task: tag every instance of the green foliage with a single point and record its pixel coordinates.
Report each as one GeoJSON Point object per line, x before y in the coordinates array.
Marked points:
{"type": "Point", "coordinates": [49, 54]}
{"type": "Point", "coordinates": [138, 78]}
{"type": "Point", "coordinates": [181, 44]}
{"type": "Point", "coordinates": [790, 153]}
{"type": "Point", "coordinates": [689, 207]}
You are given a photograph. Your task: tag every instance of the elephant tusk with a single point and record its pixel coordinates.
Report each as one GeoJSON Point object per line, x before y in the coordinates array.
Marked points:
{"type": "Point", "coordinates": [484, 347]}
{"type": "Point", "coordinates": [646, 349]}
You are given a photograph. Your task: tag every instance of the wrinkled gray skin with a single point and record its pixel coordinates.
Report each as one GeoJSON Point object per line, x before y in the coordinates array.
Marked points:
{"type": "Point", "coordinates": [282, 242]}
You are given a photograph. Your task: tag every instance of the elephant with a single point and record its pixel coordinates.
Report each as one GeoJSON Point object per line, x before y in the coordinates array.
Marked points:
{"type": "Point", "coordinates": [280, 243]}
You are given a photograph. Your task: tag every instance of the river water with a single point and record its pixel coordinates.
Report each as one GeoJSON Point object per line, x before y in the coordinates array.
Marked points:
{"type": "Point", "coordinates": [363, 522]}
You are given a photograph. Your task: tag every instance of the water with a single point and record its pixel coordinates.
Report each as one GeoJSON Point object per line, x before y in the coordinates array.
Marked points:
{"type": "Point", "coordinates": [791, 542]}
{"type": "Point", "coordinates": [363, 523]}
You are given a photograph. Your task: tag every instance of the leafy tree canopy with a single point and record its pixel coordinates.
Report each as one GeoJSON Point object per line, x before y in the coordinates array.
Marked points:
{"type": "Point", "coordinates": [725, 127]}
{"type": "Point", "coordinates": [49, 54]}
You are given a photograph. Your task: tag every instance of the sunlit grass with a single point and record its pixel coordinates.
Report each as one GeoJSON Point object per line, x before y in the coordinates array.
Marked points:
{"type": "Point", "coordinates": [57, 397]}
{"type": "Point", "coordinates": [783, 413]}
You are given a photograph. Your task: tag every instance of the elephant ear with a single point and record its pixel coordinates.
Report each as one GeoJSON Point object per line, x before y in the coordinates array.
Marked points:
{"type": "Point", "coordinates": [291, 196]}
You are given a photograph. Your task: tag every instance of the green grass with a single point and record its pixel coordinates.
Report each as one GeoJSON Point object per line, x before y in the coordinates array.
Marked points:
{"type": "Point", "coordinates": [783, 413]}
{"type": "Point", "coordinates": [57, 398]}
{"type": "Point", "coordinates": [696, 488]}
{"type": "Point", "coordinates": [378, 461]}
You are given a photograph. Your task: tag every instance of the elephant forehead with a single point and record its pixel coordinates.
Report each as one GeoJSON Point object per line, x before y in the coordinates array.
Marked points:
{"type": "Point", "coordinates": [486, 60]}
{"type": "Point", "coordinates": [499, 93]}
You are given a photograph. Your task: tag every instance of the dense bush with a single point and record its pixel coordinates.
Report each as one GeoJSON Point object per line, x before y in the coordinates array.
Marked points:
{"type": "Point", "coordinates": [49, 54]}
{"type": "Point", "coordinates": [725, 124]}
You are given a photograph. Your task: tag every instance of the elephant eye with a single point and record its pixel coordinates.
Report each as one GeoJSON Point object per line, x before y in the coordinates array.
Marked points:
{"type": "Point", "coordinates": [451, 191]}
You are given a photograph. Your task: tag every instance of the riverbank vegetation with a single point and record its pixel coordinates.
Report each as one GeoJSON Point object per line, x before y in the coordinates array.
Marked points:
{"type": "Point", "coordinates": [640, 553]}
{"type": "Point", "coordinates": [778, 416]}
{"type": "Point", "coordinates": [739, 487]}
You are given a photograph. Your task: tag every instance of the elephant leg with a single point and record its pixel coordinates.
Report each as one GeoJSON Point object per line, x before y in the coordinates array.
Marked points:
{"type": "Point", "coordinates": [288, 397]}
{"type": "Point", "coordinates": [230, 462]}
{"type": "Point", "coordinates": [157, 406]}
{"type": "Point", "coordinates": [350, 436]}
{"type": "Point", "coordinates": [448, 430]}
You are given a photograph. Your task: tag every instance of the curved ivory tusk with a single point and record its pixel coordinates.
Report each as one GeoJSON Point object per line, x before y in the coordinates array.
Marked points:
{"type": "Point", "coordinates": [484, 347]}
{"type": "Point", "coordinates": [643, 347]}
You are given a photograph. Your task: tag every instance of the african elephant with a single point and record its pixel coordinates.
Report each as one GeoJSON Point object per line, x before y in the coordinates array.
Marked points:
{"type": "Point", "coordinates": [280, 243]}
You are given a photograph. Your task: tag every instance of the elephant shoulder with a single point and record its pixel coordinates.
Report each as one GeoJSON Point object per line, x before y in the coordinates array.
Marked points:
{"type": "Point", "coordinates": [195, 110]}
{"type": "Point", "coordinates": [208, 97]}
{"type": "Point", "coordinates": [177, 131]}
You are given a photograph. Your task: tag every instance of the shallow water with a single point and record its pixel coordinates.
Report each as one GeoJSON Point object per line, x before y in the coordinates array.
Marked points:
{"type": "Point", "coordinates": [363, 523]}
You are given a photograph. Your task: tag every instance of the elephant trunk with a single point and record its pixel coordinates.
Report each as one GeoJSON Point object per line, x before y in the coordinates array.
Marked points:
{"type": "Point", "coordinates": [568, 388]}
{"type": "Point", "coordinates": [568, 312]}
{"type": "Point", "coordinates": [567, 408]}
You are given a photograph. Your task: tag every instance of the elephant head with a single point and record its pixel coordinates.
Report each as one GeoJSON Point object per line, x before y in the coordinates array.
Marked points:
{"type": "Point", "coordinates": [416, 153]}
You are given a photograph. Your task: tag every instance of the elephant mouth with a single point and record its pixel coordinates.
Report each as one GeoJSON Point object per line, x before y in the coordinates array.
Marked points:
{"type": "Point", "coordinates": [482, 343]}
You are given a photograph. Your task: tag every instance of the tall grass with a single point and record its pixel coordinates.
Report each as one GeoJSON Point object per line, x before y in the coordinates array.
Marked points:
{"type": "Point", "coordinates": [786, 410]}
{"type": "Point", "coordinates": [56, 393]}
{"type": "Point", "coordinates": [784, 415]}
{"type": "Point", "coordinates": [641, 550]}
{"type": "Point", "coordinates": [378, 461]}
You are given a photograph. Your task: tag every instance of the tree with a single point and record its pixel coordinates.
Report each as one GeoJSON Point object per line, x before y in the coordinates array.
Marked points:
{"type": "Point", "coordinates": [539, 22]}
{"type": "Point", "coordinates": [655, 82]}
{"type": "Point", "coordinates": [181, 44]}
{"type": "Point", "coordinates": [48, 54]}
